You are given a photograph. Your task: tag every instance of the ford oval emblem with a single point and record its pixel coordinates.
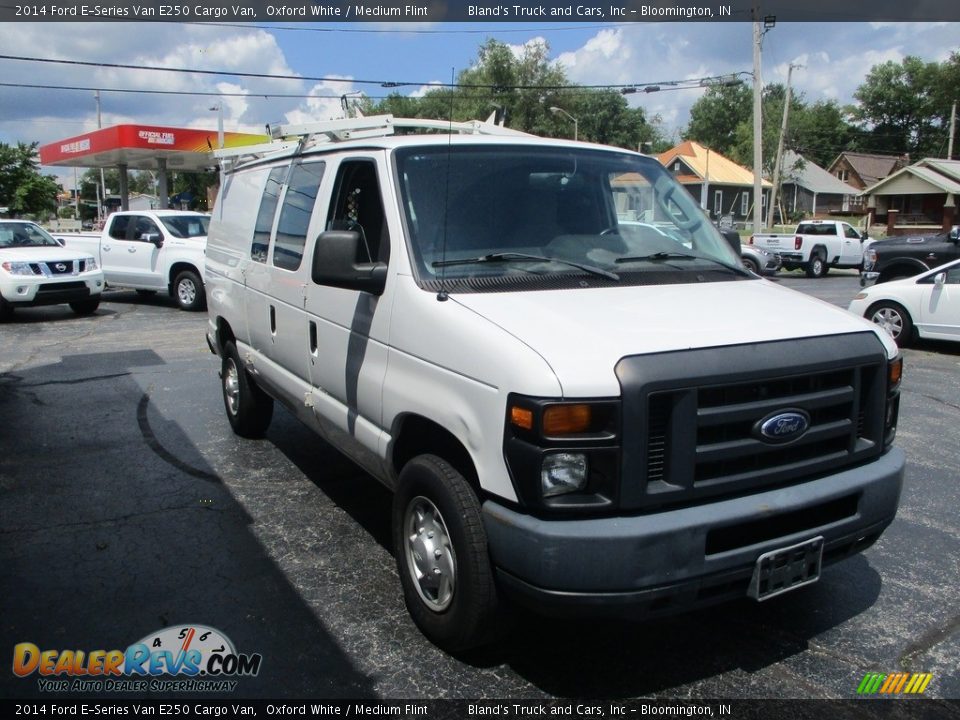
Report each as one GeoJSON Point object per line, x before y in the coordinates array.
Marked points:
{"type": "Point", "coordinates": [783, 426]}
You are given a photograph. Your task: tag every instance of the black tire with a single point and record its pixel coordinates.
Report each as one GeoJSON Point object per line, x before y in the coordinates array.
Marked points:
{"type": "Point", "coordinates": [893, 318]}
{"type": "Point", "coordinates": [750, 265]}
{"type": "Point", "coordinates": [86, 307]}
{"type": "Point", "coordinates": [249, 409]}
{"type": "Point", "coordinates": [188, 291]}
{"type": "Point", "coordinates": [462, 611]}
{"type": "Point", "coordinates": [817, 266]}
{"type": "Point", "coordinates": [6, 310]}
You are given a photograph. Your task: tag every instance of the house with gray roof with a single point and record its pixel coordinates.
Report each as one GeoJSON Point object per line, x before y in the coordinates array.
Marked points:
{"type": "Point", "coordinates": [807, 190]}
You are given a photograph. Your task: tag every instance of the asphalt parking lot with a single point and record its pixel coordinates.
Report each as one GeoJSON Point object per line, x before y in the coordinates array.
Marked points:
{"type": "Point", "coordinates": [127, 505]}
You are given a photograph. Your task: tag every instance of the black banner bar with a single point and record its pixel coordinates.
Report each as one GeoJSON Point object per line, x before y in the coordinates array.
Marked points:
{"type": "Point", "coordinates": [235, 708]}
{"type": "Point", "coordinates": [433, 11]}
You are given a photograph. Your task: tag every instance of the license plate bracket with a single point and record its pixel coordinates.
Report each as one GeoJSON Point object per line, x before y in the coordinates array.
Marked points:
{"type": "Point", "coordinates": [786, 569]}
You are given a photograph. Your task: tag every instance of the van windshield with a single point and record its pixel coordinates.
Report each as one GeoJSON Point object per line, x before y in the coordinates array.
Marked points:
{"type": "Point", "coordinates": [479, 216]}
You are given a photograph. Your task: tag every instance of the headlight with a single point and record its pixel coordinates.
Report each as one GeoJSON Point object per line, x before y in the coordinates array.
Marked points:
{"type": "Point", "coordinates": [563, 473]}
{"type": "Point", "coordinates": [869, 258]}
{"type": "Point", "coordinates": [18, 268]}
{"type": "Point", "coordinates": [89, 264]}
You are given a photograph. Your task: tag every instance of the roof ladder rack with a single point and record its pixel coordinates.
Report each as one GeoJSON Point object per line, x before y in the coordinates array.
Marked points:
{"type": "Point", "coordinates": [295, 137]}
{"type": "Point", "coordinates": [383, 125]}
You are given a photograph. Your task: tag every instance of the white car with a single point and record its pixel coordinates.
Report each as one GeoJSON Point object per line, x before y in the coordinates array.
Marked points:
{"type": "Point", "coordinates": [926, 306]}
{"type": "Point", "coordinates": [35, 269]}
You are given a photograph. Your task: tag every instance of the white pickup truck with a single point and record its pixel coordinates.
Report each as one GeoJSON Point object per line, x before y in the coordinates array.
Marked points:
{"type": "Point", "coordinates": [150, 251]}
{"type": "Point", "coordinates": [815, 246]}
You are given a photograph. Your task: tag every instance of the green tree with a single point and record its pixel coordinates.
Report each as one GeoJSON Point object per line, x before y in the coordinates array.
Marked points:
{"type": "Point", "coordinates": [822, 131]}
{"type": "Point", "coordinates": [905, 107]}
{"type": "Point", "coordinates": [522, 89]}
{"type": "Point", "coordinates": [717, 115]}
{"type": "Point", "coordinates": [23, 190]}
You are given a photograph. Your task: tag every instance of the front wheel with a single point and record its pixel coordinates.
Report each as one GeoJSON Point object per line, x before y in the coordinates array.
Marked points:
{"type": "Point", "coordinates": [85, 307]}
{"type": "Point", "coordinates": [249, 409]}
{"type": "Point", "coordinates": [751, 265]}
{"type": "Point", "coordinates": [6, 310]}
{"type": "Point", "coordinates": [893, 318]}
{"type": "Point", "coordinates": [441, 551]}
{"type": "Point", "coordinates": [188, 291]}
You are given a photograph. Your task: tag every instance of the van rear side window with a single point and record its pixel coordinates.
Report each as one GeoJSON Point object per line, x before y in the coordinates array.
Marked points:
{"type": "Point", "coordinates": [268, 207]}
{"type": "Point", "coordinates": [298, 202]}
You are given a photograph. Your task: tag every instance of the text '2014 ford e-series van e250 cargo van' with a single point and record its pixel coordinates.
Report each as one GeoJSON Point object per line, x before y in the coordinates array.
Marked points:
{"type": "Point", "coordinates": [537, 345]}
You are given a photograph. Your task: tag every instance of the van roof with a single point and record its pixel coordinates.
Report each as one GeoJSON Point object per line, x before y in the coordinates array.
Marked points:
{"type": "Point", "coordinates": [378, 133]}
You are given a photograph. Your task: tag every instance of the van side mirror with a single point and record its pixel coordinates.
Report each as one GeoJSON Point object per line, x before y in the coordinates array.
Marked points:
{"type": "Point", "coordinates": [940, 279]}
{"type": "Point", "coordinates": [335, 263]}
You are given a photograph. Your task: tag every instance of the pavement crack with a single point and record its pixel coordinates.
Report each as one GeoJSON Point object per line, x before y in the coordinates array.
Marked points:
{"type": "Point", "coordinates": [928, 641]}
{"type": "Point", "coordinates": [939, 400]}
{"type": "Point", "coordinates": [160, 451]}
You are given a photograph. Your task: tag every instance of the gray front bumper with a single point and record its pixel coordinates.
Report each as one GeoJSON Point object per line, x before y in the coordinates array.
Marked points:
{"type": "Point", "coordinates": [643, 559]}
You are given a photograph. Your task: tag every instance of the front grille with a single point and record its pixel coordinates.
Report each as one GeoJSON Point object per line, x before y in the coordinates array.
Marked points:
{"type": "Point", "coordinates": [63, 267]}
{"type": "Point", "coordinates": [691, 419]}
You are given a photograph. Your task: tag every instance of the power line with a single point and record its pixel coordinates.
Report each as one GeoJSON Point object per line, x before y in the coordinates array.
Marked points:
{"type": "Point", "coordinates": [625, 88]}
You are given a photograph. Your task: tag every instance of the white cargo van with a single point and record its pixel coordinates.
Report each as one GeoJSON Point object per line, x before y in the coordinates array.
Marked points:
{"type": "Point", "coordinates": [539, 346]}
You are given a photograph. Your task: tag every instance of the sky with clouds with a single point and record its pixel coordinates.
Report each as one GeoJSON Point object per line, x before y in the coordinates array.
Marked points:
{"type": "Point", "coordinates": [328, 60]}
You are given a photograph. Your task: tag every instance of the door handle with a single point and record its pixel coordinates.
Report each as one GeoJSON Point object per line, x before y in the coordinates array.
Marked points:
{"type": "Point", "coordinates": [106, 248]}
{"type": "Point", "coordinates": [131, 249]}
{"type": "Point", "coordinates": [313, 337]}
{"type": "Point", "coordinates": [273, 320]}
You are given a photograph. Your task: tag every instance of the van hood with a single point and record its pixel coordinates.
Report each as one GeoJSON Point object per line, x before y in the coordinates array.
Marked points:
{"type": "Point", "coordinates": [582, 334]}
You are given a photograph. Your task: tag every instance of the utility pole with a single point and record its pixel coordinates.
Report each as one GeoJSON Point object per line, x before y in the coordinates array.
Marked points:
{"type": "Point", "coordinates": [757, 120]}
{"type": "Point", "coordinates": [953, 125]}
{"type": "Point", "coordinates": [779, 159]}
{"type": "Point", "coordinates": [103, 180]}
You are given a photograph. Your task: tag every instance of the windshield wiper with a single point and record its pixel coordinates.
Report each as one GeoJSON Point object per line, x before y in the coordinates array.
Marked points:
{"type": "Point", "coordinates": [512, 256]}
{"type": "Point", "coordinates": [657, 256]}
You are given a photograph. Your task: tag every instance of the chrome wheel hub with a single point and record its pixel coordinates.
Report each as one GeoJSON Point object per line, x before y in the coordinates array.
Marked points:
{"type": "Point", "coordinates": [890, 321]}
{"type": "Point", "coordinates": [231, 386]}
{"type": "Point", "coordinates": [186, 291]}
{"type": "Point", "coordinates": [430, 557]}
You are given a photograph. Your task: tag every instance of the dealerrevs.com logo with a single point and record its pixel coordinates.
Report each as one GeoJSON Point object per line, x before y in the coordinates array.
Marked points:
{"type": "Point", "coordinates": [181, 658]}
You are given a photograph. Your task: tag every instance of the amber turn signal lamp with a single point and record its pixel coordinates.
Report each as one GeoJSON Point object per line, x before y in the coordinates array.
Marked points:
{"type": "Point", "coordinates": [521, 417]}
{"type": "Point", "coordinates": [566, 419]}
{"type": "Point", "coordinates": [895, 372]}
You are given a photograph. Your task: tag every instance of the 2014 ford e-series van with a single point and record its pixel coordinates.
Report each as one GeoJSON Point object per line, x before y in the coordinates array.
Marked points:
{"type": "Point", "coordinates": [538, 345]}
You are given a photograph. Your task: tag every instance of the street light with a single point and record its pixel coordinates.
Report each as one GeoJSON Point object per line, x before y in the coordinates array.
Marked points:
{"type": "Point", "coordinates": [560, 111]}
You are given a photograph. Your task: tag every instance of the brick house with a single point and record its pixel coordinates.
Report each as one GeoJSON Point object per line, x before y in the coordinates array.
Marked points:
{"type": "Point", "coordinates": [861, 170]}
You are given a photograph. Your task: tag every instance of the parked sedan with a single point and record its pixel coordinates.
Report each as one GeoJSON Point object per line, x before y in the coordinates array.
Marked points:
{"type": "Point", "coordinates": [926, 305]}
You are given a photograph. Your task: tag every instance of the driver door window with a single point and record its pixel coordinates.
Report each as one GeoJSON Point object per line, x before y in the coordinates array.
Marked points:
{"type": "Point", "coordinates": [358, 206]}
{"type": "Point", "coordinates": [144, 226]}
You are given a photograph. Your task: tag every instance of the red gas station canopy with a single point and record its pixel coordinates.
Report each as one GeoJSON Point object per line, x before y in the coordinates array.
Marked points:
{"type": "Point", "coordinates": [140, 146]}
